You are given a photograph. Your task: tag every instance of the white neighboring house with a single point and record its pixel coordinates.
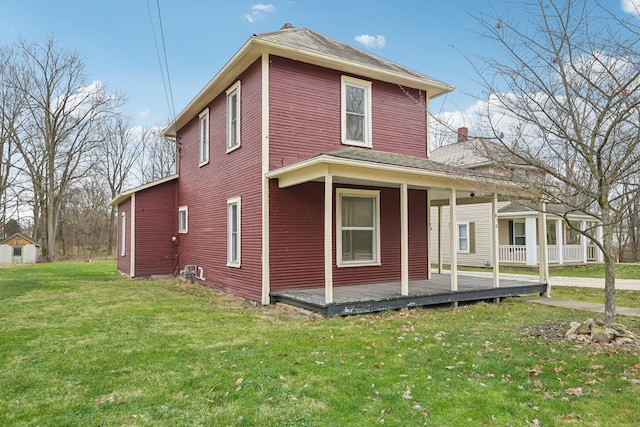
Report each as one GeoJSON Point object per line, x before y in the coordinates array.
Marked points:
{"type": "Point", "coordinates": [517, 221]}
{"type": "Point", "coordinates": [18, 249]}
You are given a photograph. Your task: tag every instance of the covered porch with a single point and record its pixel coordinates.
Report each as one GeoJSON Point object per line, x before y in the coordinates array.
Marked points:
{"type": "Point", "coordinates": [350, 284]}
{"type": "Point", "coordinates": [376, 297]}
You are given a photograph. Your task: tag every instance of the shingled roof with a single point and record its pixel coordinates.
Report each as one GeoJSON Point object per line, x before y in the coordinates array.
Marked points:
{"type": "Point", "coordinates": [312, 42]}
{"type": "Point", "coordinates": [301, 44]}
{"type": "Point", "coordinates": [473, 153]}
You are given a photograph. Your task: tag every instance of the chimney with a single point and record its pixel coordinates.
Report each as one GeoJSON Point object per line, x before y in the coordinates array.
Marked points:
{"type": "Point", "coordinates": [287, 26]}
{"type": "Point", "coordinates": [463, 134]}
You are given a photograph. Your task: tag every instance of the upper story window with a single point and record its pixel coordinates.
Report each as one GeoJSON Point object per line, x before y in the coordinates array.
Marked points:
{"type": "Point", "coordinates": [356, 112]}
{"type": "Point", "coordinates": [204, 137]}
{"type": "Point", "coordinates": [233, 117]}
{"type": "Point", "coordinates": [357, 227]}
{"type": "Point", "coordinates": [183, 219]}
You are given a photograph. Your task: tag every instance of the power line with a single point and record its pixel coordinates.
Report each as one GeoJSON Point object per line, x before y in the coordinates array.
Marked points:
{"type": "Point", "coordinates": [166, 81]}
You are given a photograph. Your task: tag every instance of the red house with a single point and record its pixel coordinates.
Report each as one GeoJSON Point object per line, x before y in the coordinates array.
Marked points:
{"type": "Point", "coordinates": [302, 166]}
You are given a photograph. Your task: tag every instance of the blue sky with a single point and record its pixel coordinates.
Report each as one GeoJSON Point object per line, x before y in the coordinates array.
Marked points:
{"type": "Point", "coordinates": [116, 41]}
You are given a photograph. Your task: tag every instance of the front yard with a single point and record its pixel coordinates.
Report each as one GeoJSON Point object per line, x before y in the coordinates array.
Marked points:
{"type": "Point", "coordinates": [81, 345]}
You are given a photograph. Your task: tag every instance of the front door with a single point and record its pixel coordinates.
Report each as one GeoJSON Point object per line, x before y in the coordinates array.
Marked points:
{"type": "Point", "coordinates": [17, 255]}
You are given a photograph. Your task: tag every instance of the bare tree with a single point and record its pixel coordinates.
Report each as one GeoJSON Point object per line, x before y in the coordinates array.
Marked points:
{"type": "Point", "coordinates": [61, 119]}
{"type": "Point", "coordinates": [563, 90]}
{"type": "Point", "coordinates": [116, 153]}
{"type": "Point", "coordinates": [158, 159]}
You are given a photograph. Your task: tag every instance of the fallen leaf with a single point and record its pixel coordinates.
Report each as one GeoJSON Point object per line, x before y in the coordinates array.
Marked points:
{"type": "Point", "coordinates": [577, 391]}
{"type": "Point", "coordinates": [239, 381]}
{"type": "Point", "coordinates": [407, 393]}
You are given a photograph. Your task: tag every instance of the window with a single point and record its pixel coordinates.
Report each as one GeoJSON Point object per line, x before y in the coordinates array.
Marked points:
{"type": "Point", "coordinates": [356, 112]}
{"type": "Point", "coordinates": [358, 227]}
{"type": "Point", "coordinates": [123, 234]}
{"type": "Point", "coordinates": [183, 219]}
{"type": "Point", "coordinates": [17, 251]}
{"type": "Point", "coordinates": [233, 232]}
{"type": "Point", "coordinates": [463, 237]}
{"type": "Point", "coordinates": [204, 137]}
{"type": "Point", "coordinates": [233, 117]}
{"type": "Point", "coordinates": [519, 234]}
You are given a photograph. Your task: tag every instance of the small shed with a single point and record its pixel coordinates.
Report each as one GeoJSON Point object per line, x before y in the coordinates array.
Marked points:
{"type": "Point", "coordinates": [18, 249]}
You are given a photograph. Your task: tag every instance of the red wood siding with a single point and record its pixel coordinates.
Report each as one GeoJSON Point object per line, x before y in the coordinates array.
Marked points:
{"type": "Point", "coordinates": [205, 191]}
{"type": "Point", "coordinates": [124, 262]}
{"type": "Point", "coordinates": [297, 240]}
{"type": "Point", "coordinates": [304, 107]}
{"type": "Point", "coordinates": [156, 224]}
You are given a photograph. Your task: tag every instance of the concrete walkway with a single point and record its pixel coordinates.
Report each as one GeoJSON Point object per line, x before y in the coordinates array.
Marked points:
{"type": "Point", "coordinates": [580, 305]}
{"type": "Point", "coordinates": [583, 282]}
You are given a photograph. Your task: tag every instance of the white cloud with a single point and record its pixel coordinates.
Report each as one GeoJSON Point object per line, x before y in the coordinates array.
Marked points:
{"type": "Point", "coordinates": [144, 113]}
{"type": "Point", "coordinates": [371, 41]}
{"type": "Point", "coordinates": [631, 6]}
{"type": "Point", "coordinates": [258, 10]}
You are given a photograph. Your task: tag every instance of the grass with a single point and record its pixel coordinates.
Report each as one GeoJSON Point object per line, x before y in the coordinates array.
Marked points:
{"type": "Point", "coordinates": [81, 345]}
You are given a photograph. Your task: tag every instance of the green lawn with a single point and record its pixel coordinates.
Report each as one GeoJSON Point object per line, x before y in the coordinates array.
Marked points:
{"type": "Point", "coordinates": [80, 345]}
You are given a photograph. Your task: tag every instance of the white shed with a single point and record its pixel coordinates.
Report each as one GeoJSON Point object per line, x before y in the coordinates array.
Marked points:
{"type": "Point", "coordinates": [18, 249]}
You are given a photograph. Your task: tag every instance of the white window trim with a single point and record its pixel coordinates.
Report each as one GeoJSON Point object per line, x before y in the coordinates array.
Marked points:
{"type": "Point", "coordinates": [467, 238]}
{"type": "Point", "coordinates": [346, 80]}
{"type": "Point", "coordinates": [203, 149]}
{"type": "Point", "coordinates": [230, 147]}
{"type": "Point", "coordinates": [375, 194]}
{"type": "Point", "coordinates": [513, 232]}
{"type": "Point", "coordinates": [232, 201]}
{"type": "Point", "coordinates": [184, 209]}
{"type": "Point", "coordinates": [123, 234]}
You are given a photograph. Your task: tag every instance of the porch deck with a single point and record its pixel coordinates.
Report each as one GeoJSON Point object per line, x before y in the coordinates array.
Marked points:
{"type": "Point", "coordinates": [386, 296]}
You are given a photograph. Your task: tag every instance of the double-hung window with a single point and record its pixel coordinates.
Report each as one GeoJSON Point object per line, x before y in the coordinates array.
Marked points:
{"type": "Point", "coordinates": [123, 234]}
{"type": "Point", "coordinates": [358, 227]}
{"type": "Point", "coordinates": [233, 232]}
{"type": "Point", "coordinates": [519, 233]}
{"type": "Point", "coordinates": [183, 219]}
{"type": "Point", "coordinates": [356, 112]}
{"type": "Point", "coordinates": [233, 117]}
{"type": "Point", "coordinates": [204, 137]}
{"type": "Point", "coordinates": [463, 237]}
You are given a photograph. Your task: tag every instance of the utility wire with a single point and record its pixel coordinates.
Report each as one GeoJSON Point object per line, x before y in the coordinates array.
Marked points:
{"type": "Point", "coordinates": [166, 81]}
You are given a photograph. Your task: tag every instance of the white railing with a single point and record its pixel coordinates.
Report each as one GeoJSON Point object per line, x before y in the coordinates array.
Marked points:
{"type": "Point", "coordinates": [553, 253]}
{"type": "Point", "coordinates": [517, 254]}
{"type": "Point", "coordinates": [512, 253]}
{"type": "Point", "coordinates": [572, 253]}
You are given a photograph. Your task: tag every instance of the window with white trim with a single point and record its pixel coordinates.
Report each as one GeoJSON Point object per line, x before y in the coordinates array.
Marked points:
{"type": "Point", "coordinates": [123, 234]}
{"type": "Point", "coordinates": [357, 227]}
{"type": "Point", "coordinates": [356, 112]}
{"type": "Point", "coordinates": [233, 117]}
{"type": "Point", "coordinates": [233, 232]}
{"type": "Point", "coordinates": [183, 219]}
{"type": "Point", "coordinates": [463, 237]}
{"type": "Point", "coordinates": [519, 233]}
{"type": "Point", "coordinates": [204, 137]}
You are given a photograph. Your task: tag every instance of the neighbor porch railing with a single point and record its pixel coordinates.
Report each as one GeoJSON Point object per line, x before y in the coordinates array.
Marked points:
{"type": "Point", "coordinates": [517, 254]}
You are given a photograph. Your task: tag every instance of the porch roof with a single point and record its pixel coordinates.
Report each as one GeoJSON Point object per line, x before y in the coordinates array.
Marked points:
{"type": "Point", "coordinates": [522, 208]}
{"type": "Point", "coordinates": [362, 166]}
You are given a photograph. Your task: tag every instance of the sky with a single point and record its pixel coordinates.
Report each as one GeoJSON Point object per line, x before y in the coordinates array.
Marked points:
{"type": "Point", "coordinates": [117, 39]}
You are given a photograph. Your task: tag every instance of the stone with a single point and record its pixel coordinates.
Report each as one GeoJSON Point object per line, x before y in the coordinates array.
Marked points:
{"type": "Point", "coordinates": [583, 329]}
{"type": "Point", "coordinates": [599, 319]}
{"type": "Point", "coordinates": [599, 334]}
{"type": "Point", "coordinates": [624, 340]}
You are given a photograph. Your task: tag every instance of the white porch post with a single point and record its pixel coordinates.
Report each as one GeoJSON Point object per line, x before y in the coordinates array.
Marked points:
{"type": "Point", "coordinates": [328, 232]}
{"type": "Point", "coordinates": [599, 257]}
{"type": "Point", "coordinates": [440, 243]}
{"type": "Point", "coordinates": [404, 238]}
{"type": "Point", "coordinates": [494, 241]}
{"type": "Point", "coordinates": [453, 235]}
{"type": "Point", "coordinates": [583, 241]}
{"type": "Point", "coordinates": [543, 264]}
{"type": "Point", "coordinates": [530, 233]}
{"type": "Point", "coordinates": [559, 242]}
{"type": "Point", "coordinates": [428, 235]}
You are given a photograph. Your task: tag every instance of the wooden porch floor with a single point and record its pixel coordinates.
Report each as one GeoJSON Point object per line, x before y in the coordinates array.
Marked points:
{"type": "Point", "coordinates": [386, 296]}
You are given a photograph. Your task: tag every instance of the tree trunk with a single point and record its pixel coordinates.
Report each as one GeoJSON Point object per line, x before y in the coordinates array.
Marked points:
{"type": "Point", "coordinates": [609, 273]}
